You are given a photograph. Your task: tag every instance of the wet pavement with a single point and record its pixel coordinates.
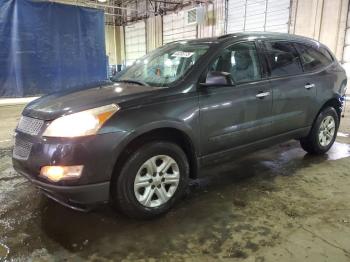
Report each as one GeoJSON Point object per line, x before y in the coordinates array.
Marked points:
{"type": "Point", "coordinates": [278, 204]}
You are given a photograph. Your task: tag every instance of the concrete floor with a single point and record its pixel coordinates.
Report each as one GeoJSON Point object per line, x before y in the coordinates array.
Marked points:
{"type": "Point", "coordinates": [279, 204]}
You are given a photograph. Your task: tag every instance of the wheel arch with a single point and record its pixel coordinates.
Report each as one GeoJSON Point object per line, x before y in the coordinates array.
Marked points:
{"type": "Point", "coordinates": [336, 103]}
{"type": "Point", "coordinates": [149, 134]}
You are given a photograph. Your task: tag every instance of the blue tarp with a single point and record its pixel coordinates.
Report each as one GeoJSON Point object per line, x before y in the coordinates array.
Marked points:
{"type": "Point", "coordinates": [47, 47]}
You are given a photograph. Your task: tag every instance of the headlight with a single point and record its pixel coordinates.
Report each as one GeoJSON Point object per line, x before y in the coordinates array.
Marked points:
{"type": "Point", "coordinates": [83, 123]}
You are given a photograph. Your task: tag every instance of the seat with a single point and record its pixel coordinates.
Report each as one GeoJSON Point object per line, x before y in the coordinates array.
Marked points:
{"type": "Point", "coordinates": [243, 70]}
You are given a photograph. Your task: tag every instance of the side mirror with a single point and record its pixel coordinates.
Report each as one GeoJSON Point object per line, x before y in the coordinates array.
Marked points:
{"type": "Point", "coordinates": [218, 79]}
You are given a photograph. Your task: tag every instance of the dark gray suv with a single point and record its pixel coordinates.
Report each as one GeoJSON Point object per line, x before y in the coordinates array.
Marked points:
{"type": "Point", "coordinates": [137, 141]}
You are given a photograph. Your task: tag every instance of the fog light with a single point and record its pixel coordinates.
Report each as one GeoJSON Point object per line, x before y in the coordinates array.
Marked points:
{"type": "Point", "coordinates": [58, 173]}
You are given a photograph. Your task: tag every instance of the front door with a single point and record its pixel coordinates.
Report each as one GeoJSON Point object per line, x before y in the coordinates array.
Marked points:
{"type": "Point", "coordinates": [238, 114]}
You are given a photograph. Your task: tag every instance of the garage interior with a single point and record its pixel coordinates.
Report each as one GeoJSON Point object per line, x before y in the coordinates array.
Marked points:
{"type": "Point", "coordinates": [278, 204]}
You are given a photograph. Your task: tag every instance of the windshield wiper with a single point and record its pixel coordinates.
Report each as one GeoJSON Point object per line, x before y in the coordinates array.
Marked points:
{"type": "Point", "coordinates": [132, 82]}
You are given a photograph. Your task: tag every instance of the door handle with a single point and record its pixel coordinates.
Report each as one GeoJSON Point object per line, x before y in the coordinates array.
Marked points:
{"type": "Point", "coordinates": [309, 86]}
{"type": "Point", "coordinates": [262, 95]}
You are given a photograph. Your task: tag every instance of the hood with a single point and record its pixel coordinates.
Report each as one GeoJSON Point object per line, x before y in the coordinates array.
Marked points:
{"type": "Point", "coordinates": [55, 105]}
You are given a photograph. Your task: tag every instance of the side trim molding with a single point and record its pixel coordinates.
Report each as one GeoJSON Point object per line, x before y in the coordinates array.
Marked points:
{"type": "Point", "coordinates": [228, 154]}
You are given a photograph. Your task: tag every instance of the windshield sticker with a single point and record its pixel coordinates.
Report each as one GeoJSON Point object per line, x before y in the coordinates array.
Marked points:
{"type": "Point", "coordinates": [182, 54]}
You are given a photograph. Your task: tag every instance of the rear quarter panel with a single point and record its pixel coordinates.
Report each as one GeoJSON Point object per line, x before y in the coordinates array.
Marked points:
{"type": "Point", "coordinates": [334, 84]}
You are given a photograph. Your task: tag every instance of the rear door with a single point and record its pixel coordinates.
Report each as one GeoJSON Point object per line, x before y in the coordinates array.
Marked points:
{"type": "Point", "coordinates": [293, 93]}
{"type": "Point", "coordinates": [239, 114]}
{"type": "Point", "coordinates": [317, 64]}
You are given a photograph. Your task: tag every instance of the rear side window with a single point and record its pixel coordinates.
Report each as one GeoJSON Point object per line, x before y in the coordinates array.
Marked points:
{"type": "Point", "coordinates": [283, 59]}
{"type": "Point", "coordinates": [313, 58]}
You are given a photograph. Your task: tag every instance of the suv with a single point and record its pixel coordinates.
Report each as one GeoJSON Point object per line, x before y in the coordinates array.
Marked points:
{"type": "Point", "coordinates": [137, 141]}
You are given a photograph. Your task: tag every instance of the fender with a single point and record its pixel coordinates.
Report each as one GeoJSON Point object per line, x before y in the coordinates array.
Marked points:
{"type": "Point", "coordinates": [176, 125]}
{"type": "Point", "coordinates": [180, 126]}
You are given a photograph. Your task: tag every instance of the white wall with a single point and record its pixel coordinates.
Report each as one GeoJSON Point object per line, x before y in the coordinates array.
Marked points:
{"type": "Point", "coordinates": [323, 20]}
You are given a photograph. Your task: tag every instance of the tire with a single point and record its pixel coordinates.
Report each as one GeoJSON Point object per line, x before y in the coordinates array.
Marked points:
{"type": "Point", "coordinates": [319, 140]}
{"type": "Point", "coordinates": [146, 199]}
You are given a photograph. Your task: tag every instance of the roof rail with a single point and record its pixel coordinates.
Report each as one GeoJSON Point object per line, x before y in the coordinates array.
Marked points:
{"type": "Point", "coordinates": [226, 36]}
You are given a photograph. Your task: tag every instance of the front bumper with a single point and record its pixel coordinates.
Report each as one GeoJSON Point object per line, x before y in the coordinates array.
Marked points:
{"type": "Point", "coordinates": [96, 153]}
{"type": "Point", "coordinates": [80, 198]}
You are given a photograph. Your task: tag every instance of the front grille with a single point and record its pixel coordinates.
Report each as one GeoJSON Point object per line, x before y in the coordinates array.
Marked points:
{"type": "Point", "coordinates": [30, 125]}
{"type": "Point", "coordinates": [22, 149]}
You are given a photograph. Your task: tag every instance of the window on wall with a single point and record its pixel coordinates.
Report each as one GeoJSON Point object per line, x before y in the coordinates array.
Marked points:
{"type": "Point", "coordinates": [283, 59]}
{"type": "Point", "coordinates": [313, 58]}
{"type": "Point", "coordinates": [241, 61]}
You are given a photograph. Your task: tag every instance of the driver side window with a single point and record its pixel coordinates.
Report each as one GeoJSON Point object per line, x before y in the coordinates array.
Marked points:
{"type": "Point", "coordinates": [241, 61]}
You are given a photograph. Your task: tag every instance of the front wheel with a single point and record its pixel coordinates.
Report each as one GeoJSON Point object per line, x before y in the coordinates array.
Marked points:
{"type": "Point", "coordinates": [323, 132]}
{"type": "Point", "coordinates": [153, 178]}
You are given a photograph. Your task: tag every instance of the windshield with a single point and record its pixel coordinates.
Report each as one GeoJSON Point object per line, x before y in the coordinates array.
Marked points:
{"type": "Point", "coordinates": [164, 65]}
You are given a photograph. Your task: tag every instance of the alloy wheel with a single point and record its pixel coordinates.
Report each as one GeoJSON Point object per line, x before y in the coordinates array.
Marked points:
{"type": "Point", "coordinates": [156, 181]}
{"type": "Point", "coordinates": [327, 131]}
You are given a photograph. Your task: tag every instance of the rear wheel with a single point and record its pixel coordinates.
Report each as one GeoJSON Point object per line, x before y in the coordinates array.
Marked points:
{"type": "Point", "coordinates": [153, 178]}
{"type": "Point", "coordinates": [323, 132]}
